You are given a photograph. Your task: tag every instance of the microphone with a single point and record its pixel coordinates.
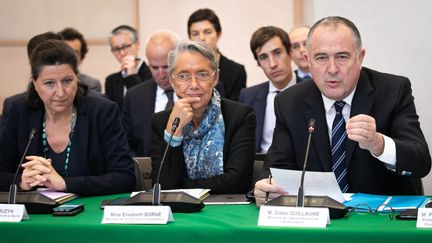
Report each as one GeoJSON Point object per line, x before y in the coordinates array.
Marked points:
{"type": "Point", "coordinates": [300, 194]}
{"type": "Point", "coordinates": [336, 209]}
{"type": "Point", "coordinates": [178, 201]}
{"type": "Point", "coordinates": [13, 187]}
{"type": "Point", "coordinates": [157, 186]}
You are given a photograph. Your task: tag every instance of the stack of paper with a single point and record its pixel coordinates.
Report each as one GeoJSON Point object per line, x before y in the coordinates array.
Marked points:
{"type": "Point", "coordinates": [59, 197]}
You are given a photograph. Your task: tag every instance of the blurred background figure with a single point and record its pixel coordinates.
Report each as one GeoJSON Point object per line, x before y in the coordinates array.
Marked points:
{"type": "Point", "coordinates": [152, 96]}
{"type": "Point", "coordinates": [270, 47]}
{"type": "Point", "coordinates": [298, 37]}
{"type": "Point", "coordinates": [204, 25]}
{"type": "Point", "coordinates": [125, 47]}
{"type": "Point", "coordinates": [76, 40]}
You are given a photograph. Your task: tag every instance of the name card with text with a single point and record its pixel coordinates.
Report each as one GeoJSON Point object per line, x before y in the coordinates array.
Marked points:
{"type": "Point", "coordinates": [137, 215]}
{"type": "Point", "coordinates": [12, 212]}
{"type": "Point", "coordinates": [424, 218]}
{"type": "Point", "coordinates": [293, 216]}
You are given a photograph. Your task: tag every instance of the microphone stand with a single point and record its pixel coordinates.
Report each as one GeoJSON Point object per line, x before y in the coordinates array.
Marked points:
{"type": "Point", "coordinates": [157, 185]}
{"type": "Point", "coordinates": [300, 194]}
{"type": "Point", "coordinates": [13, 187]}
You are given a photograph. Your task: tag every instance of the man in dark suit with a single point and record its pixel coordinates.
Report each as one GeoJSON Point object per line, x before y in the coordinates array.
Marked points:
{"type": "Point", "coordinates": [133, 70]}
{"type": "Point", "coordinates": [385, 151]}
{"type": "Point", "coordinates": [298, 37]}
{"type": "Point", "coordinates": [151, 96]}
{"type": "Point", "coordinates": [204, 25]}
{"type": "Point", "coordinates": [271, 49]}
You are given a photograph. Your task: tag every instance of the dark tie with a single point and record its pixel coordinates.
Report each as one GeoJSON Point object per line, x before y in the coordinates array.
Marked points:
{"type": "Point", "coordinates": [338, 138]}
{"type": "Point", "coordinates": [170, 103]}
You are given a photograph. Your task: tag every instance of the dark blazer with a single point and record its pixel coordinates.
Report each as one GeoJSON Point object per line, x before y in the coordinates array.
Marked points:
{"type": "Point", "coordinates": [232, 77]}
{"type": "Point", "coordinates": [92, 83]}
{"type": "Point", "coordinates": [385, 97]}
{"type": "Point", "coordinates": [256, 97]}
{"type": "Point", "coordinates": [138, 109]}
{"type": "Point", "coordinates": [115, 82]}
{"type": "Point", "coordinates": [6, 108]}
{"type": "Point", "coordinates": [99, 161]}
{"type": "Point", "coordinates": [238, 153]}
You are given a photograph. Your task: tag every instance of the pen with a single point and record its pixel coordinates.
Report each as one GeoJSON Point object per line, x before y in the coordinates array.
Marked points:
{"type": "Point", "coordinates": [267, 193]}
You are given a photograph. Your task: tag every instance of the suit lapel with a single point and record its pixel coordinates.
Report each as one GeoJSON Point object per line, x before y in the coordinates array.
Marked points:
{"type": "Point", "coordinates": [362, 103]}
{"type": "Point", "coordinates": [80, 143]}
{"type": "Point", "coordinates": [36, 119]}
{"type": "Point", "coordinates": [260, 104]}
{"type": "Point", "coordinates": [320, 138]}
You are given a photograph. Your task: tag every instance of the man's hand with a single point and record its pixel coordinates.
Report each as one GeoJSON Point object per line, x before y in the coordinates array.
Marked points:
{"type": "Point", "coordinates": [362, 129]}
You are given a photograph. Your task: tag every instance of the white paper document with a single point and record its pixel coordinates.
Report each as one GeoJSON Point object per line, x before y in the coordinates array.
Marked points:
{"type": "Point", "coordinates": [315, 183]}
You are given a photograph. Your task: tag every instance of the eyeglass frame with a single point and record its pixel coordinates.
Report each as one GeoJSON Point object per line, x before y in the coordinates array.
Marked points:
{"type": "Point", "coordinates": [122, 48]}
{"type": "Point", "coordinates": [193, 75]}
{"type": "Point", "coordinates": [368, 210]}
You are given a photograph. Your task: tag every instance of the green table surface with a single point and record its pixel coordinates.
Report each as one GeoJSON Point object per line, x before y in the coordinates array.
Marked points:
{"type": "Point", "coordinates": [216, 223]}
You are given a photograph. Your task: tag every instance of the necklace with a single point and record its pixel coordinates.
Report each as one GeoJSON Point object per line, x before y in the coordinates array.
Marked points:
{"type": "Point", "coordinates": [68, 148]}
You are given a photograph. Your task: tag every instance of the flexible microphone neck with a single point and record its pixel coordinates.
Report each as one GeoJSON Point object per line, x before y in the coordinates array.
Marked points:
{"type": "Point", "coordinates": [157, 186]}
{"type": "Point", "coordinates": [300, 194]}
{"type": "Point", "coordinates": [13, 187]}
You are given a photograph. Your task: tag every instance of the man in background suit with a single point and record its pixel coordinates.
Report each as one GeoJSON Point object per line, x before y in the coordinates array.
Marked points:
{"type": "Point", "coordinates": [298, 37]}
{"type": "Point", "coordinates": [385, 151]}
{"type": "Point", "coordinates": [76, 40]}
{"type": "Point", "coordinates": [152, 96]}
{"type": "Point", "coordinates": [133, 70]}
{"type": "Point", "coordinates": [204, 25]}
{"type": "Point", "coordinates": [271, 49]}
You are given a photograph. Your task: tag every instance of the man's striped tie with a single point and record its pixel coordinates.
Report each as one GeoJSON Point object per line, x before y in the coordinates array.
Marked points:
{"type": "Point", "coordinates": [338, 139]}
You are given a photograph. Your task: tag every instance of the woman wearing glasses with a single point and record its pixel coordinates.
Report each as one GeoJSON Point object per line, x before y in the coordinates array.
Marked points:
{"type": "Point", "coordinates": [213, 146]}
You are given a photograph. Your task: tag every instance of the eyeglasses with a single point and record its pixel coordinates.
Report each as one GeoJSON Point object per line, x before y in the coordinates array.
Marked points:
{"type": "Point", "coordinates": [187, 77]}
{"type": "Point", "coordinates": [363, 209]}
{"type": "Point", "coordinates": [121, 48]}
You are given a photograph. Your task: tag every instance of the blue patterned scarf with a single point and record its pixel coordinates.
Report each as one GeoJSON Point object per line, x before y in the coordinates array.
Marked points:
{"type": "Point", "coordinates": [203, 148]}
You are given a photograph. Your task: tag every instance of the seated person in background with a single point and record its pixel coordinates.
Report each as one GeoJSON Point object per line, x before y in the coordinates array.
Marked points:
{"type": "Point", "coordinates": [298, 37]}
{"type": "Point", "coordinates": [270, 47]}
{"type": "Point", "coordinates": [367, 130]}
{"type": "Point", "coordinates": [154, 95]}
{"type": "Point", "coordinates": [79, 146]}
{"type": "Point", "coordinates": [125, 47]}
{"type": "Point", "coordinates": [213, 146]}
{"type": "Point", "coordinates": [76, 40]}
{"type": "Point", "coordinates": [204, 25]}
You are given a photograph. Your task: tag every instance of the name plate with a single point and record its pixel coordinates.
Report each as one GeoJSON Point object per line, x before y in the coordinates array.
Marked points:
{"type": "Point", "coordinates": [424, 218]}
{"type": "Point", "coordinates": [13, 212]}
{"type": "Point", "coordinates": [137, 215]}
{"type": "Point", "coordinates": [293, 216]}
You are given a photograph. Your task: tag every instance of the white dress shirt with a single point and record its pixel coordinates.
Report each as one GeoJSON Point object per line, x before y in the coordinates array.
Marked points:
{"type": "Point", "coordinates": [389, 154]}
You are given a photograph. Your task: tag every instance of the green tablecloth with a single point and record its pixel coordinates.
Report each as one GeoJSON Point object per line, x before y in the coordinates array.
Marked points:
{"type": "Point", "coordinates": [221, 224]}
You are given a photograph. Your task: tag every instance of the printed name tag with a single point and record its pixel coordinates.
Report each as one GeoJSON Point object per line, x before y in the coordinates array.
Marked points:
{"type": "Point", "coordinates": [137, 215]}
{"type": "Point", "coordinates": [424, 218]}
{"type": "Point", "coordinates": [293, 216]}
{"type": "Point", "coordinates": [12, 212]}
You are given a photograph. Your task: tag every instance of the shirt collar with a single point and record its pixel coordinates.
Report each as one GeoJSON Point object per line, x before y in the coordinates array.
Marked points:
{"type": "Point", "coordinates": [272, 88]}
{"type": "Point", "coordinates": [328, 103]}
{"type": "Point", "coordinates": [302, 74]}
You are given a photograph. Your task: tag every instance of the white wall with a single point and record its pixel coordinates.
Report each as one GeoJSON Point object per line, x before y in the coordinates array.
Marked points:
{"type": "Point", "coordinates": [396, 35]}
